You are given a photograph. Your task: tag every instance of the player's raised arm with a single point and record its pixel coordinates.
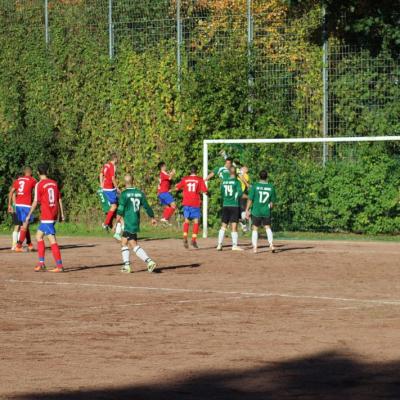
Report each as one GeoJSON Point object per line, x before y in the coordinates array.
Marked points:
{"type": "Point", "coordinates": [209, 176]}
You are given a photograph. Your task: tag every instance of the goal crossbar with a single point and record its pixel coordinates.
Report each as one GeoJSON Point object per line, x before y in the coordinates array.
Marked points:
{"type": "Point", "coordinates": [344, 139]}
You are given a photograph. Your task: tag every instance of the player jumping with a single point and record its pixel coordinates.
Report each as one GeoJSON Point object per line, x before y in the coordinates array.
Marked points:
{"type": "Point", "coordinates": [130, 203]}
{"type": "Point", "coordinates": [261, 200]}
{"type": "Point", "coordinates": [244, 177]}
{"type": "Point", "coordinates": [192, 185]}
{"type": "Point", "coordinates": [48, 196]}
{"type": "Point", "coordinates": [21, 195]}
{"type": "Point", "coordinates": [221, 172]}
{"type": "Point", "coordinates": [110, 189]}
{"type": "Point", "coordinates": [163, 192]}
{"type": "Point", "coordinates": [231, 192]}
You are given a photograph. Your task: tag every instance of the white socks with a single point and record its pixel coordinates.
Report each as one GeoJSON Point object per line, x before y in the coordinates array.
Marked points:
{"type": "Point", "coordinates": [221, 235]}
{"type": "Point", "coordinates": [235, 238]}
{"type": "Point", "coordinates": [269, 236]}
{"type": "Point", "coordinates": [254, 238]}
{"type": "Point", "coordinates": [15, 237]}
{"type": "Point", "coordinates": [141, 254]}
{"type": "Point", "coordinates": [125, 255]}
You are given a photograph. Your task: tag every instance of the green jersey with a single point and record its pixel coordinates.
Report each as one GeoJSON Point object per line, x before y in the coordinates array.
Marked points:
{"type": "Point", "coordinates": [262, 194]}
{"type": "Point", "coordinates": [231, 192]}
{"type": "Point", "coordinates": [105, 205]}
{"type": "Point", "coordinates": [222, 172]}
{"type": "Point", "coordinates": [130, 203]}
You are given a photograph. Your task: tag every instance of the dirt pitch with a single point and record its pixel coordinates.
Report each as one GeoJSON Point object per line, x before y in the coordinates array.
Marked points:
{"type": "Point", "coordinates": [316, 320]}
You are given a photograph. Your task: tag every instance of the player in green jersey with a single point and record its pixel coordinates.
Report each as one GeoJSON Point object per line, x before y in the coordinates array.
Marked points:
{"type": "Point", "coordinates": [231, 192]}
{"type": "Point", "coordinates": [221, 172]}
{"type": "Point", "coordinates": [130, 203]}
{"type": "Point", "coordinates": [261, 200]}
{"type": "Point", "coordinates": [105, 206]}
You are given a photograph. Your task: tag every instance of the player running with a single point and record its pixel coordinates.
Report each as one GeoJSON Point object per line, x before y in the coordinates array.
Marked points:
{"type": "Point", "coordinates": [221, 172]}
{"type": "Point", "coordinates": [48, 196]}
{"type": "Point", "coordinates": [110, 189]}
{"type": "Point", "coordinates": [21, 196]}
{"type": "Point", "coordinates": [163, 192]}
{"type": "Point", "coordinates": [231, 192]}
{"type": "Point", "coordinates": [191, 185]}
{"type": "Point", "coordinates": [130, 203]}
{"type": "Point", "coordinates": [261, 200]}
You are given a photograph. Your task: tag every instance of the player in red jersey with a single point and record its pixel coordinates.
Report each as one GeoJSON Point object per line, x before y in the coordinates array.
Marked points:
{"type": "Point", "coordinates": [163, 192]}
{"type": "Point", "coordinates": [48, 196]}
{"type": "Point", "coordinates": [110, 189]}
{"type": "Point", "coordinates": [21, 196]}
{"type": "Point", "coordinates": [192, 186]}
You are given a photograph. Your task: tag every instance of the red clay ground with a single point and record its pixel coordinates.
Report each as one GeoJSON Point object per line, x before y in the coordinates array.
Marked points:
{"type": "Point", "coordinates": [317, 320]}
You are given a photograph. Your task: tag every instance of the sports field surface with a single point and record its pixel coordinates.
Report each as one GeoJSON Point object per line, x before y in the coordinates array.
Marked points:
{"type": "Point", "coordinates": [315, 320]}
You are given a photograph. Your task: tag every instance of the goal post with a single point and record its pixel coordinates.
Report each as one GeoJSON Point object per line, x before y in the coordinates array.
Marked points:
{"type": "Point", "coordinates": [209, 142]}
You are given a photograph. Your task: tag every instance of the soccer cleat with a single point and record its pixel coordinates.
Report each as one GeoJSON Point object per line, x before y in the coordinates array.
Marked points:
{"type": "Point", "coordinates": [19, 249]}
{"type": "Point", "coordinates": [254, 249]}
{"type": "Point", "coordinates": [151, 265]}
{"type": "Point", "coordinates": [14, 246]}
{"type": "Point", "coordinates": [272, 248]}
{"type": "Point", "coordinates": [165, 222]}
{"type": "Point", "coordinates": [236, 248]}
{"type": "Point", "coordinates": [40, 268]}
{"type": "Point", "coordinates": [30, 247]}
{"type": "Point", "coordinates": [105, 227]}
{"type": "Point", "coordinates": [194, 244]}
{"type": "Point", "coordinates": [57, 269]}
{"type": "Point", "coordinates": [126, 269]}
{"type": "Point", "coordinates": [219, 247]}
{"type": "Point", "coordinates": [117, 237]}
{"type": "Point", "coordinates": [185, 243]}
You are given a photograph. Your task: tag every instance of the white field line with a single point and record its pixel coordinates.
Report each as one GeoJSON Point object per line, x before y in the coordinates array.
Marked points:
{"type": "Point", "coordinates": [394, 302]}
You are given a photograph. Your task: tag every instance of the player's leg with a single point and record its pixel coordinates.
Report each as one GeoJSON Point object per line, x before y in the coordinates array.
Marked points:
{"type": "Point", "coordinates": [29, 239]}
{"type": "Point", "coordinates": [15, 235]}
{"type": "Point", "coordinates": [22, 213]}
{"type": "Point", "coordinates": [140, 253]}
{"type": "Point", "coordinates": [254, 233]}
{"type": "Point", "coordinates": [243, 221]}
{"type": "Point", "coordinates": [55, 249]}
{"type": "Point", "coordinates": [111, 196]}
{"type": "Point", "coordinates": [270, 236]}
{"type": "Point", "coordinates": [125, 253]}
{"type": "Point", "coordinates": [167, 200]}
{"type": "Point", "coordinates": [186, 224]}
{"type": "Point", "coordinates": [41, 248]}
{"type": "Point", "coordinates": [195, 215]}
{"type": "Point", "coordinates": [119, 228]}
{"type": "Point", "coordinates": [221, 235]}
{"type": "Point", "coordinates": [234, 217]}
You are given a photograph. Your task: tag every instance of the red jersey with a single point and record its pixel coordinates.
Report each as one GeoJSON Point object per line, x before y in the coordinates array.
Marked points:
{"type": "Point", "coordinates": [164, 183]}
{"type": "Point", "coordinates": [108, 171]}
{"type": "Point", "coordinates": [47, 195]}
{"type": "Point", "coordinates": [23, 189]}
{"type": "Point", "coordinates": [192, 186]}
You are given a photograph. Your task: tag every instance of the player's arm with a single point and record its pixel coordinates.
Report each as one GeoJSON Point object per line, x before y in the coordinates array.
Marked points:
{"type": "Point", "coordinates": [114, 181]}
{"type": "Point", "coordinates": [273, 199]}
{"type": "Point", "coordinates": [171, 174]}
{"type": "Point", "coordinates": [121, 206]}
{"type": "Point", "coordinates": [149, 210]}
{"type": "Point", "coordinates": [101, 178]}
{"type": "Point", "coordinates": [249, 203]}
{"type": "Point", "coordinates": [239, 189]}
{"type": "Point", "coordinates": [209, 176]}
{"type": "Point", "coordinates": [203, 187]}
{"type": "Point", "coordinates": [241, 178]}
{"type": "Point", "coordinates": [11, 199]}
{"type": "Point", "coordinates": [61, 208]}
{"type": "Point", "coordinates": [180, 185]}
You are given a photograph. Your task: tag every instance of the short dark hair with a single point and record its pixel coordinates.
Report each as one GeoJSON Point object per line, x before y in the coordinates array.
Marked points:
{"type": "Point", "coordinates": [42, 169]}
{"type": "Point", "coordinates": [161, 164]}
{"type": "Point", "coordinates": [193, 169]}
{"type": "Point", "coordinates": [263, 174]}
{"type": "Point", "coordinates": [113, 156]}
{"type": "Point", "coordinates": [229, 159]}
{"type": "Point", "coordinates": [232, 171]}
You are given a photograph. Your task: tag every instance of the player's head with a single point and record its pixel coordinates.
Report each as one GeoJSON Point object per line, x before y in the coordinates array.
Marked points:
{"type": "Point", "coordinates": [43, 169]}
{"type": "Point", "coordinates": [28, 171]}
{"type": "Point", "coordinates": [162, 166]}
{"type": "Point", "coordinates": [128, 179]}
{"type": "Point", "coordinates": [193, 170]}
{"type": "Point", "coordinates": [232, 171]}
{"type": "Point", "coordinates": [244, 169]}
{"type": "Point", "coordinates": [228, 162]}
{"type": "Point", "coordinates": [114, 158]}
{"type": "Point", "coordinates": [263, 175]}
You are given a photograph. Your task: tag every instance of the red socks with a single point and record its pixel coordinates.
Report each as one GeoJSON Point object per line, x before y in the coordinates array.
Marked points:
{"type": "Point", "coordinates": [22, 236]}
{"type": "Point", "coordinates": [109, 218]}
{"type": "Point", "coordinates": [168, 212]}
{"type": "Point", "coordinates": [195, 231]}
{"type": "Point", "coordinates": [185, 229]}
{"type": "Point", "coordinates": [41, 248]}
{"type": "Point", "coordinates": [56, 254]}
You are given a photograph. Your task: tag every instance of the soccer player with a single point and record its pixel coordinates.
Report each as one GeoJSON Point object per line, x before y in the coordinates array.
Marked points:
{"type": "Point", "coordinates": [110, 188]}
{"type": "Point", "coordinates": [191, 185]}
{"type": "Point", "coordinates": [21, 195]}
{"type": "Point", "coordinates": [244, 177]}
{"type": "Point", "coordinates": [105, 206]}
{"type": "Point", "coordinates": [221, 172]}
{"type": "Point", "coordinates": [231, 192]}
{"type": "Point", "coordinates": [163, 192]}
{"type": "Point", "coordinates": [48, 196]}
{"type": "Point", "coordinates": [261, 200]}
{"type": "Point", "coordinates": [130, 203]}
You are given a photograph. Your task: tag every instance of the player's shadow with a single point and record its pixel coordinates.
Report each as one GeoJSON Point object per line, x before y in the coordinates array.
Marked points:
{"type": "Point", "coordinates": [84, 267]}
{"type": "Point", "coordinates": [323, 376]}
{"type": "Point", "coordinates": [75, 246]}
{"type": "Point", "coordinates": [160, 269]}
{"type": "Point", "coordinates": [283, 248]}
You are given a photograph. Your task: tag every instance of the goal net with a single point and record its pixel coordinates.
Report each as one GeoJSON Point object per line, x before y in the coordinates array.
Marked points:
{"type": "Point", "coordinates": [335, 184]}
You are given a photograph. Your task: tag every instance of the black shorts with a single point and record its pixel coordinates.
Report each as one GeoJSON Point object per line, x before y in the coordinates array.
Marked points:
{"type": "Point", "coordinates": [15, 219]}
{"type": "Point", "coordinates": [261, 221]}
{"type": "Point", "coordinates": [130, 236]}
{"type": "Point", "coordinates": [230, 215]}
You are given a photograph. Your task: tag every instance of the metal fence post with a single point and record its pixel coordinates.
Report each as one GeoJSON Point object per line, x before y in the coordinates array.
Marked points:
{"type": "Point", "coordinates": [110, 31]}
{"type": "Point", "coordinates": [325, 79]}
{"type": "Point", "coordinates": [46, 22]}
{"type": "Point", "coordinates": [250, 37]}
{"type": "Point", "coordinates": [179, 42]}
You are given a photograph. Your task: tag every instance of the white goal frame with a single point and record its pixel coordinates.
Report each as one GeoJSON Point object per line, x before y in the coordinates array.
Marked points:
{"type": "Point", "coordinates": [206, 143]}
